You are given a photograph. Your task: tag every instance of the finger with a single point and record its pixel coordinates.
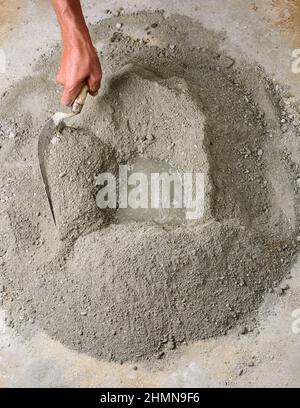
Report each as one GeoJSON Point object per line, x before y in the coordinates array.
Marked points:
{"type": "Point", "coordinates": [70, 94]}
{"type": "Point", "coordinates": [93, 93]}
{"type": "Point", "coordinates": [94, 85]}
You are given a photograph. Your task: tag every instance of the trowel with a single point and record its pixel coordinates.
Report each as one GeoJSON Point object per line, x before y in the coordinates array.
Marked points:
{"type": "Point", "coordinates": [56, 122]}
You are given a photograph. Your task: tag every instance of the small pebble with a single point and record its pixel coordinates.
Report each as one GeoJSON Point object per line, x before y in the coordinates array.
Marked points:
{"type": "Point", "coordinates": [243, 330]}
{"type": "Point", "coordinates": [55, 140]}
{"type": "Point", "coordinates": [9, 322]}
{"type": "Point", "coordinates": [150, 137]}
{"type": "Point", "coordinates": [278, 291]}
{"type": "Point", "coordinates": [285, 287]}
{"type": "Point", "coordinates": [171, 345]}
{"type": "Point", "coordinates": [240, 372]}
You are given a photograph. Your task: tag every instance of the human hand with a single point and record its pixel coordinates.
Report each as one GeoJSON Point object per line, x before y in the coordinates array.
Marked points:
{"type": "Point", "coordinates": [79, 65]}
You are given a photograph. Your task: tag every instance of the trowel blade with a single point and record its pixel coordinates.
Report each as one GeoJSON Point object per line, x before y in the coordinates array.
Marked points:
{"type": "Point", "coordinates": [43, 144]}
{"type": "Point", "coordinates": [56, 122]}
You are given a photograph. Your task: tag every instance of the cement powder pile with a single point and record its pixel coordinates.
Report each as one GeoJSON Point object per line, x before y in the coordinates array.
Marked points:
{"type": "Point", "coordinates": [129, 292]}
{"type": "Point", "coordinates": [75, 157]}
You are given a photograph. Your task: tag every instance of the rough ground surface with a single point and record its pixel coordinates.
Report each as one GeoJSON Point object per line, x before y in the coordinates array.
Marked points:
{"type": "Point", "coordinates": [130, 292]}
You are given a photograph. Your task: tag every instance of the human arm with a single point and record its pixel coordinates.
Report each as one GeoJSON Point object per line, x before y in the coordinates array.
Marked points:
{"type": "Point", "coordinates": [79, 63]}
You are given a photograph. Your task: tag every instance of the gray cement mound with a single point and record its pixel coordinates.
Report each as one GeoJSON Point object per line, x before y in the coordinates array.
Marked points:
{"type": "Point", "coordinates": [75, 158]}
{"type": "Point", "coordinates": [135, 291]}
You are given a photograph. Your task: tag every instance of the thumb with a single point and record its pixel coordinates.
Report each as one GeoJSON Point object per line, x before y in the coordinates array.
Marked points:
{"type": "Point", "coordinates": [70, 93]}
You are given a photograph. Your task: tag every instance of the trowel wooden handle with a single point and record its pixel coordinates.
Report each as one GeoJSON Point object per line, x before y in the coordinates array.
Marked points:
{"type": "Point", "coordinates": [80, 100]}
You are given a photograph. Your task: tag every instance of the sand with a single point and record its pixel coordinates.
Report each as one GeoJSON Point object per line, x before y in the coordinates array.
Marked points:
{"type": "Point", "coordinates": [136, 291]}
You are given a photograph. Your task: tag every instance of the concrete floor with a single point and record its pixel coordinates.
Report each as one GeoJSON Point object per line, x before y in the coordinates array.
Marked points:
{"type": "Point", "coordinates": [269, 357]}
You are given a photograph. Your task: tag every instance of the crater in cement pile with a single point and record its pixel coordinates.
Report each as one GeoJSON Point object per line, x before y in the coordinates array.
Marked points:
{"type": "Point", "coordinates": [134, 291]}
{"type": "Point", "coordinates": [144, 173]}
